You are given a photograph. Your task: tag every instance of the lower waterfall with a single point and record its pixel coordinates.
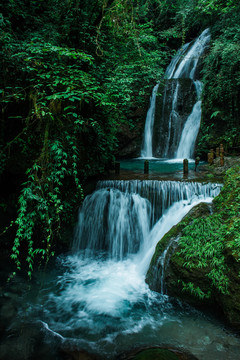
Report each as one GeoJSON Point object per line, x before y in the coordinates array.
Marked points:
{"type": "Point", "coordinates": [99, 300]}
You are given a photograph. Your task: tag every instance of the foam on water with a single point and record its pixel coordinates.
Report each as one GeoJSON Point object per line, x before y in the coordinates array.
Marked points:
{"type": "Point", "coordinates": [102, 304]}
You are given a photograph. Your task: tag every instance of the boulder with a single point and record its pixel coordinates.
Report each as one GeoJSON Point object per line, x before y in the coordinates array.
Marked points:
{"type": "Point", "coordinates": [154, 273]}
{"type": "Point", "coordinates": [157, 353]}
{"type": "Point", "coordinates": [193, 284]}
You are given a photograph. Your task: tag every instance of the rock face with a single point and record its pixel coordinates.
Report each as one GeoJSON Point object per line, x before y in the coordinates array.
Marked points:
{"type": "Point", "coordinates": [130, 134]}
{"type": "Point", "coordinates": [174, 103]}
{"type": "Point", "coordinates": [155, 270]}
{"type": "Point", "coordinates": [130, 140]}
{"type": "Point", "coordinates": [230, 302]}
{"type": "Point", "coordinates": [193, 284]}
{"type": "Point", "coordinates": [157, 353]}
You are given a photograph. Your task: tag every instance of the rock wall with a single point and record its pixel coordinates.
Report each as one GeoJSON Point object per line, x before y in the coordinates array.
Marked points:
{"type": "Point", "coordinates": [169, 122]}
{"type": "Point", "coordinates": [189, 283]}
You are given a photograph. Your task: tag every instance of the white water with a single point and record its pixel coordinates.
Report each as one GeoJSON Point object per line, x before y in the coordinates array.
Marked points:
{"type": "Point", "coordinates": [173, 118]}
{"type": "Point", "coordinates": [148, 131]}
{"type": "Point", "coordinates": [190, 55]}
{"type": "Point", "coordinates": [177, 133]}
{"type": "Point", "coordinates": [186, 146]}
{"type": "Point", "coordinates": [100, 301]}
{"type": "Point", "coordinates": [112, 221]}
{"type": "Point", "coordinates": [186, 68]}
{"type": "Point", "coordinates": [191, 128]}
{"type": "Point", "coordinates": [98, 285]}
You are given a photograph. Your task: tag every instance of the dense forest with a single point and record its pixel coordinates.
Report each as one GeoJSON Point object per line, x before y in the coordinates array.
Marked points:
{"type": "Point", "coordinates": [76, 77]}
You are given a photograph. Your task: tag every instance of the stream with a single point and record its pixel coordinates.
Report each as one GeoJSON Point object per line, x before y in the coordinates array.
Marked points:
{"type": "Point", "coordinates": [95, 298]}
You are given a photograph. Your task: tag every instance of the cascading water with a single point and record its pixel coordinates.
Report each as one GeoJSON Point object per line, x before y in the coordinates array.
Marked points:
{"type": "Point", "coordinates": [100, 301]}
{"type": "Point", "coordinates": [112, 221]}
{"type": "Point", "coordinates": [176, 124]}
{"type": "Point", "coordinates": [147, 142]}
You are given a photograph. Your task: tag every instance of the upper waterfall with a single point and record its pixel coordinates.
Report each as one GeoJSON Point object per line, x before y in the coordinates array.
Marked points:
{"type": "Point", "coordinates": [184, 64]}
{"type": "Point", "coordinates": [179, 108]}
{"type": "Point", "coordinates": [147, 142]}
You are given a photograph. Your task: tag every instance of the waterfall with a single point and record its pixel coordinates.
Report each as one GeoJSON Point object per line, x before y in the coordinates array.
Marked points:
{"type": "Point", "coordinates": [100, 301]}
{"type": "Point", "coordinates": [191, 127]}
{"type": "Point", "coordinates": [113, 221]}
{"type": "Point", "coordinates": [185, 64]}
{"type": "Point", "coordinates": [147, 143]}
{"type": "Point", "coordinates": [118, 217]}
{"type": "Point", "coordinates": [163, 261]}
{"type": "Point", "coordinates": [176, 125]}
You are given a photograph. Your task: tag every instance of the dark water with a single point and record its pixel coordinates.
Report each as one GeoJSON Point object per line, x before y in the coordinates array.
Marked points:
{"type": "Point", "coordinates": [106, 308]}
{"type": "Point", "coordinates": [102, 304]}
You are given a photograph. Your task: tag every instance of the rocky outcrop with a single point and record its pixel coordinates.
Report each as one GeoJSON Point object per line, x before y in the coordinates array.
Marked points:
{"type": "Point", "coordinates": [171, 114]}
{"type": "Point", "coordinates": [130, 140]}
{"type": "Point", "coordinates": [230, 302]}
{"type": "Point", "coordinates": [130, 133]}
{"type": "Point", "coordinates": [157, 353]}
{"type": "Point", "coordinates": [194, 284]}
{"type": "Point", "coordinates": [153, 277]}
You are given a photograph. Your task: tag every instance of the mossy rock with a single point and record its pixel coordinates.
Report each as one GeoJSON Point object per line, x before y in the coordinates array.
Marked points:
{"type": "Point", "coordinates": [230, 302]}
{"type": "Point", "coordinates": [204, 270]}
{"type": "Point", "coordinates": [154, 271]}
{"type": "Point", "coordinates": [158, 353]}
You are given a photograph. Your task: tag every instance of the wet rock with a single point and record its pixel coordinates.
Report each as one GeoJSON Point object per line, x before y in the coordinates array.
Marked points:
{"type": "Point", "coordinates": [230, 302]}
{"type": "Point", "coordinates": [25, 341]}
{"type": "Point", "coordinates": [77, 355]}
{"type": "Point", "coordinates": [216, 171]}
{"type": "Point", "coordinates": [163, 134]}
{"type": "Point", "coordinates": [204, 293]}
{"type": "Point", "coordinates": [154, 273]}
{"type": "Point", "coordinates": [157, 353]}
{"type": "Point", "coordinates": [7, 311]}
{"type": "Point", "coordinates": [130, 140]}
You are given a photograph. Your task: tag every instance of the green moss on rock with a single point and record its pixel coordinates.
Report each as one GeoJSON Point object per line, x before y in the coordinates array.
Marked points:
{"type": "Point", "coordinates": [205, 267]}
{"type": "Point", "coordinates": [200, 210]}
{"type": "Point", "coordinates": [158, 353]}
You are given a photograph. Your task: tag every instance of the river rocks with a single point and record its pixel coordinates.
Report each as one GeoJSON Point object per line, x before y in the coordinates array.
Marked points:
{"type": "Point", "coordinates": [218, 171]}
{"type": "Point", "coordinates": [24, 341]}
{"type": "Point", "coordinates": [194, 284]}
{"type": "Point", "coordinates": [77, 355]}
{"type": "Point", "coordinates": [154, 273]}
{"type": "Point", "coordinates": [157, 353]}
{"type": "Point", "coordinates": [230, 302]}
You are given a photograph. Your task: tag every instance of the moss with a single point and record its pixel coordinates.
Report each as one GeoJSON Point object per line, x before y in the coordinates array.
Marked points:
{"type": "Point", "coordinates": [200, 210]}
{"type": "Point", "coordinates": [205, 268]}
{"type": "Point", "coordinates": [156, 354]}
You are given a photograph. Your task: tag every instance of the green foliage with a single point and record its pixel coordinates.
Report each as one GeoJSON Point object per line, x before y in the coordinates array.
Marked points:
{"type": "Point", "coordinates": [206, 243]}
{"type": "Point", "coordinates": [194, 290]}
{"type": "Point", "coordinates": [202, 246]}
{"type": "Point", "coordinates": [72, 72]}
{"type": "Point", "coordinates": [42, 205]}
{"type": "Point", "coordinates": [221, 77]}
{"type": "Point", "coordinates": [214, 6]}
{"type": "Point", "coordinates": [228, 203]}
{"type": "Point", "coordinates": [69, 79]}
